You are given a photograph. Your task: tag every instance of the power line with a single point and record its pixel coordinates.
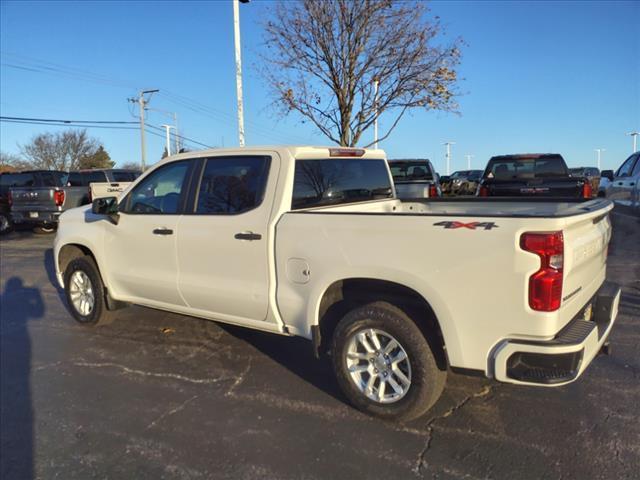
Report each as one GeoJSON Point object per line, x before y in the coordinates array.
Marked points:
{"type": "Point", "coordinates": [69, 123]}
{"type": "Point", "coordinates": [42, 66]}
{"type": "Point", "coordinates": [66, 121]}
{"type": "Point", "coordinates": [51, 124]}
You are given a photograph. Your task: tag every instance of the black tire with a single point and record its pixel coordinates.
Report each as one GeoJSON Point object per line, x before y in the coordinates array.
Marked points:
{"type": "Point", "coordinates": [44, 230]}
{"type": "Point", "coordinates": [5, 224]}
{"type": "Point", "coordinates": [98, 315]}
{"type": "Point", "coordinates": [427, 380]}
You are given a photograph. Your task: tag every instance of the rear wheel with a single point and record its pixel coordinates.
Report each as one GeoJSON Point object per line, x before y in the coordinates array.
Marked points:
{"type": "Point", "coordinates": [384, 364]}
{"type": "Point", "coordinates": [85, 292]}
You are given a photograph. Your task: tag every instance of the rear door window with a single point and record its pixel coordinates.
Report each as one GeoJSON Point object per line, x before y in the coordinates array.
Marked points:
{"type": "Point", "coordinates": [339, 181]}
{"type": "Point", "coordinates": [232, 185]}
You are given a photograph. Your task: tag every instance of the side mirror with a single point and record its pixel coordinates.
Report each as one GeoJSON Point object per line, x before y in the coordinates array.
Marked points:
{"type": "Point", "coordinates": [106, 206]}
{"type": "Point", "coordinates": [607, 174]}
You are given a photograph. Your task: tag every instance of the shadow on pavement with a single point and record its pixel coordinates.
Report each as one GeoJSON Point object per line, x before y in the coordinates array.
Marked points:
{"type": "Point", "coordinates": [18, 305]}
{"type": "Point", "coordinates": [293, 353]}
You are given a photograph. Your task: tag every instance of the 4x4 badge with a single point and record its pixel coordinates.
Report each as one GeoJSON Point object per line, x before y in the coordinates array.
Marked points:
{"type": "Point", "coordinates": [470, 226]}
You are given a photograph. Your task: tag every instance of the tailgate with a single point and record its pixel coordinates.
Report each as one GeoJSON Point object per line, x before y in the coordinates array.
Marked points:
{"type": "Point", "coordinates": [586, 242]}
{"type": "Point", "coordinates": [566, 188]}
{"type": "Point", "coordinates": [33, 199]}
{"type": "Point", "coordinates": [107, 189]}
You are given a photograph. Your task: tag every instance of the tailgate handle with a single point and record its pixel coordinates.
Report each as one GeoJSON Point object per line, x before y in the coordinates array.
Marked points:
{"type": "Point", "coordinates": [247, 236]}
{"type": "Point", "coordinates": [162, 231]}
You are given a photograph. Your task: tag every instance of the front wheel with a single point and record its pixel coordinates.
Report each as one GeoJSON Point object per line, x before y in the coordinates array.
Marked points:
{"type": "Point", "coordinates": [85, 292]}
{"type": "Point", "coordinates": [5, 223]}
{"type": "Point", "coordinates": [384, 363]}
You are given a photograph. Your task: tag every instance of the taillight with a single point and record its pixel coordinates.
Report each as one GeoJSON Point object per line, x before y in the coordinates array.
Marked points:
{"type": "Point", "coordinates": [586, 190]}
{"type": "Point", "coordinates": [58, 197]}
{"type": "Point", "coordinates": [483, 191]}
{"type": "Point", "coordinates": [545, 286]}
{"type": "Point", "coordinates": [10, 198]}
{"type": "Point", "coordinates": [433, 191]}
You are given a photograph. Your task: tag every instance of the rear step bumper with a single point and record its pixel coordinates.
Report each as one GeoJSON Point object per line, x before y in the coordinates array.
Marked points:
{"type": "Point", "coordinates": [35, 217]}
{"type": "Point", "coordinates": [563, 359]}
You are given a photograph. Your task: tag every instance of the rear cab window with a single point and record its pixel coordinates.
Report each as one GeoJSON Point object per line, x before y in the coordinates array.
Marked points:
{"type": "Point", "coordinates": [339, 181]}
{"type": "Point", "coordinates": [410, 170]}
{"type": "Point", "coordinates": [523, 167]}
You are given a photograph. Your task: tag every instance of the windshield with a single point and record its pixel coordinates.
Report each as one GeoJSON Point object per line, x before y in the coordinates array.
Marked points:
{"type": "Point", "coordinates": [408, 171]}
{"type": "Point", "coordinates": [510, 168]}
{"type": "Point", "coordinates": [577, 172]}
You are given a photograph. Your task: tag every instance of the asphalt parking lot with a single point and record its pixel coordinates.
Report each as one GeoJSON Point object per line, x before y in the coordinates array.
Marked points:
{"type": "Point", "coordinates": [156, 395]}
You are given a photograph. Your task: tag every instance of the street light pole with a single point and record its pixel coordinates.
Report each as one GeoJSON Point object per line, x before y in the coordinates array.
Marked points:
{"type": "Point", "coordinates": [448, 145]}
{"type": "Point", "coordinates": [167, 129]}
{"type": "Point", "coordinates": [469, 157]}
{"type": "Point", "coordinates": [599, 150]}
{"type": "Point", "coordinates": [375, 119]}
{"type": "Point", "coordinates": [236, 38]}
{"type": "Point", "coordinates": [634, 135]}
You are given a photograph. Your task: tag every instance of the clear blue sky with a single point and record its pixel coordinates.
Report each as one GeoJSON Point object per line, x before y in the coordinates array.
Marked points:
{"type": "Point", "coordinates": [539, 77]}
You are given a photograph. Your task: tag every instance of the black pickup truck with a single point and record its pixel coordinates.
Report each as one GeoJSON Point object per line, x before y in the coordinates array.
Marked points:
{"type": "Point", "coordinates": [531, 175]}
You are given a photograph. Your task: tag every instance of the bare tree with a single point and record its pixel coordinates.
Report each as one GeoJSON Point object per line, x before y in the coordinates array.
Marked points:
{"type": "Point", "coordinates": [60, 151]}
{"type": "Point", "coordinates": [10, 162]}
{"type": "Point", "coordinates": [130, 166]}
{"type": "Point", "coordinates": [323, 56]}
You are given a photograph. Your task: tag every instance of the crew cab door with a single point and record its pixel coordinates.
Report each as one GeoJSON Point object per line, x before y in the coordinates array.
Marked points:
{"type": "Point", "coordinates": [223, 244]}
{"type": "Point", "coordinates": [140, 250]}
{"type": "Point", "coordinates": [624, 181]}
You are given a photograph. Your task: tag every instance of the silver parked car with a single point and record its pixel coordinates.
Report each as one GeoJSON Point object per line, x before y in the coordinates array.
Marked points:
{"type": "Point", "coordinates": [624, 183]}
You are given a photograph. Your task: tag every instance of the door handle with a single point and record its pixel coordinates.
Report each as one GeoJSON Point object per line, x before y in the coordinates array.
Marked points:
{"type": "Point", "coordinates": [619, 183]}
{"type": "Point", "coordinates": [247, 236]}
{"type": "Point", "coordinates": [162, 231]}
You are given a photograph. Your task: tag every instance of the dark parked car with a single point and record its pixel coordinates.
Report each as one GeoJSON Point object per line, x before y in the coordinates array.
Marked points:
{"type": "Point", "coordinates": [531, 175]}
{"type": "Point", "coordinates": [41, 205]}
{"type": "Point", "coordinates": [415, 178]}
{"type": "Point", "coordinates": [590, 173]}
{"type": "Point", "coordinates": [450, 184]}
{"type": "Point", "coordinates": [24, 179]}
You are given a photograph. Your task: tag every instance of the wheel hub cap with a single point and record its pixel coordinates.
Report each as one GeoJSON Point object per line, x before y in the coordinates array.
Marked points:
{"type": "Point", "coordinates": [81, 293]}
{"type": "Point", "coordinates": [378, 365]}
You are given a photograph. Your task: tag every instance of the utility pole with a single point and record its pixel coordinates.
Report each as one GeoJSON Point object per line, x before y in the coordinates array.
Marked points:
{"type": "Point", "coordinates": [469, 157]}
{"type": "Point", "coordinates": [599, 150]}
{"type": "Point", "coordinates": [448, 144]}
{"type": "Point", "coordinates": [167, 129]}
{"type": "Point", "coordinates": [236, 38]}
{"type": "Point", "coordinates": [142, 104]}
{"type": "Point", "coordinates": [375, 119]}
{"type": "Point", "coordinates": [634, 135]}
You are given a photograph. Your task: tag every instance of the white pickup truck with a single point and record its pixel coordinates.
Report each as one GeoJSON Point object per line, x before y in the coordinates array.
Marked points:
{"type": "Point", "coordinates": [312, 242]}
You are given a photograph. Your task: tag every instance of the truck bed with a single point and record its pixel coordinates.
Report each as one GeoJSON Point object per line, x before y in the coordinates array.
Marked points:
{"type": "Point", "coordinates": [472, 207]}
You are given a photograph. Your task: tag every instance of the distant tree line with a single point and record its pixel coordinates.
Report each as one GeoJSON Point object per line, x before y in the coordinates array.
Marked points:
{"type": "Point", "coordinates": [69, 150]}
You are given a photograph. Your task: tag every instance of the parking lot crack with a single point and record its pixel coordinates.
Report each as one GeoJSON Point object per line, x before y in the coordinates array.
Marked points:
{"type": "Point", "coordinates": [420, 461]}
{"type": "Point", "coordinates": [171, 412]}
{"type": "Point", "coordinates": [132, 371]}
{"type": "Point", "coordinates": [239, 380]}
